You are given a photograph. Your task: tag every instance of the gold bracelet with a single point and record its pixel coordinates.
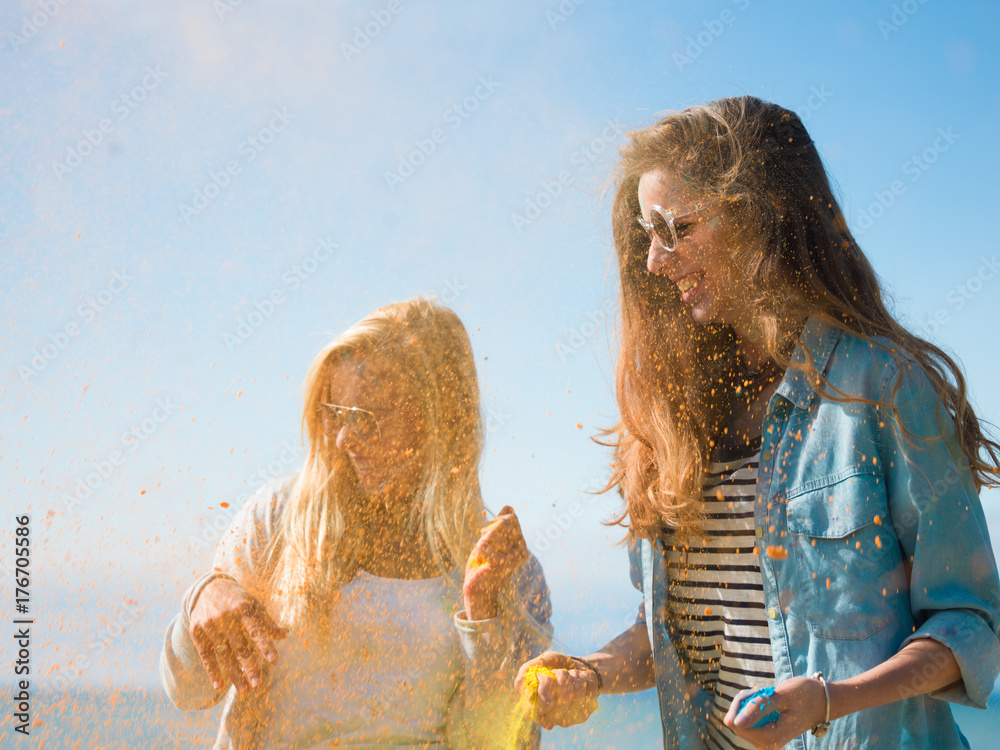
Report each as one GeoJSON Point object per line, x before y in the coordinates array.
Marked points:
{"type": "Point", "coordinates": [823, 727]}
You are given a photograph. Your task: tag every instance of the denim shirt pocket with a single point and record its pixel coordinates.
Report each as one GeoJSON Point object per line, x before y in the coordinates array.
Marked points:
{"type": "Point", "coordinates": [844, 553]}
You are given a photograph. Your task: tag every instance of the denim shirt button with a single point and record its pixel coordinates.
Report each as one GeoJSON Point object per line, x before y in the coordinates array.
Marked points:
{"type": "Point", "coordinates": [766, 455]}
{"type": "Point", "coordinates": [772, 613]}
{"type": "Point", "coordinates": [760, 532]}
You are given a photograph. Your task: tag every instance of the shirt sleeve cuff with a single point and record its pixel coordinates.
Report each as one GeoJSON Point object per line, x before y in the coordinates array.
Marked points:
{"type": "Point", "coordinates": [974, 646]}
{"type": "Point", "coordinates": [481, 641]}
{"type": "Point", "coordinates": [191, 595]}
{"type": "Point", "coordinates": [181, 642]}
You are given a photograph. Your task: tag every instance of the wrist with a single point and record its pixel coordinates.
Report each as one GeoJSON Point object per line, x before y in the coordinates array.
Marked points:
{"type": "Point", "coordinates": [480, 608]}
{"type": "Point", "coordinates": [841, 696]}
{"type": "Point", "coordinates": [608, 671]}
{"type": "Point", "coordinates": [586, 665]}
{"type": "Point", "coordinates": [822, 723]}
{"type": "Point", "coordinates": [191, 599]}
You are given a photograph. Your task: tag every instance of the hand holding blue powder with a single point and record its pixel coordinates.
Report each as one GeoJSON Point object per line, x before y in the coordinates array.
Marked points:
{"type": "Point", "coordinates": [765, 693]}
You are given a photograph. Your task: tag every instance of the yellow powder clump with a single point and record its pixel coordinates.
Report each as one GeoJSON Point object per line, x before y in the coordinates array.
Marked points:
{"type": "Point", "coordinates": [529, 687]}
{"type": "Point", "coordinates": [521, 723]}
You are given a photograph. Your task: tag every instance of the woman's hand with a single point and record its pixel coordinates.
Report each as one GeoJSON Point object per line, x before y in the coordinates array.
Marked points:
{"type": "Point", "coordinates": [567, 698]}
{"type": "Point", "coordinates": [500, 551]}
{"type": "Point", "coordinates": [232, 632]}
{"type": "Point", "coordinates": [801, 701]}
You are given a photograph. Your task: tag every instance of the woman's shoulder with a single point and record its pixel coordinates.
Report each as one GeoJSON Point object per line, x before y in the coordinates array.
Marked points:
{"type": "Point", "coordinates": [264, 507]}
{"type": "Point", "coordinates": [274, 493]}
{"type": "Point", "coordinates": [245, 549]}
{"type": "Point", "coordinates": [870, 367]}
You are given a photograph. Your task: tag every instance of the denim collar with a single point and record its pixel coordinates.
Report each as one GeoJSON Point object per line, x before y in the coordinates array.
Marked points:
{"type": "Point", "coordinates": [818, 338]}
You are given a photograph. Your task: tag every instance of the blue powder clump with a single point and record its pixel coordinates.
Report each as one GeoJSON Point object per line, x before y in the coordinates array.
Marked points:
{"type": "Point", "coordinates": [765, 692]}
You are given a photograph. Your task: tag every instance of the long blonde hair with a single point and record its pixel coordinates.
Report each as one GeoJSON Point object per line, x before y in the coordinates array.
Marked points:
{"type": "Point", "coordinates": [676, 379]}
{"type": "Point", "coordinates": [312, 554]}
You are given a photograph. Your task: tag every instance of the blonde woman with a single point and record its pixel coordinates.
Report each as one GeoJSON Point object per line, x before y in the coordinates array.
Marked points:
{"type": "Point", "coordinates": [362, 602]}
{"type": "Point", "coordinates": [801, 473]}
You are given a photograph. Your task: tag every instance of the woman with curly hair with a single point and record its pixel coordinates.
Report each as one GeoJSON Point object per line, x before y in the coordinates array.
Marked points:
{"type": "Point", "coordinates": [801, 473]}
{"type": "Point", "coordinates": [359, 602]}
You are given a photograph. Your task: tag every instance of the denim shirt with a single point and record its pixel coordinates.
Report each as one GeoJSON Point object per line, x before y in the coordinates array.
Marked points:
{"type": "Point", "coordinates": [866, 542]}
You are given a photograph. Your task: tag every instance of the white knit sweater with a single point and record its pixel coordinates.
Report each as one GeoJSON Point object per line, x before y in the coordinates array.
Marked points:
{"type": "Point", "coordinates": [400, 667]}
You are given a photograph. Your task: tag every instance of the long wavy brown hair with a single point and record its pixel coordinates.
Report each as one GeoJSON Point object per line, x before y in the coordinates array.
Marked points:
{"type": "Point", "coordinates": [677, 379]}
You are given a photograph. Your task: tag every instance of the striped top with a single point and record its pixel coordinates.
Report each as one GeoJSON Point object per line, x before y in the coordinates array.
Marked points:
{"type": "Point", "coordinates": [715, 602]}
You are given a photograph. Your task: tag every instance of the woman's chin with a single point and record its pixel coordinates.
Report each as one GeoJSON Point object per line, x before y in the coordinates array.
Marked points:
{"type": "Point", "coordinates": [369, 485]}
{"type": "Point", "coordinates": [703, 314]}
{"type": "Point", "coordinates": [384, 493]}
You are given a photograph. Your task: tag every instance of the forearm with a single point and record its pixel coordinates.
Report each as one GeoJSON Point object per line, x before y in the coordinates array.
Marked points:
{"type": "Point", "coordinates": [626, 663]}
{"type": "Point", "coordinates": [922, 666]}
{"type": "Point", "coordinates": [480, 607]}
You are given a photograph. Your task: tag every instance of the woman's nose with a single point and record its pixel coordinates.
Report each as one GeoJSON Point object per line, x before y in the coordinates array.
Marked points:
{"type": "Point", "coordinates": [345, 440]}
{"type": "Point", "coordinates": [659, 259]}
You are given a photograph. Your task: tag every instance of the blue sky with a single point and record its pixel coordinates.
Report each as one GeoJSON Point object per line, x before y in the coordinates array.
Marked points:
{"type": "Point", "coordinates": [481, 111]}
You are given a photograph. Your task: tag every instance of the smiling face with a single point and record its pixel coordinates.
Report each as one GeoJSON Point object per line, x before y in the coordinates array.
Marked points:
{"type": "Point", "coordinates": [700, 264]}
{"type": "Point", "coordinates": [388, 460]}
